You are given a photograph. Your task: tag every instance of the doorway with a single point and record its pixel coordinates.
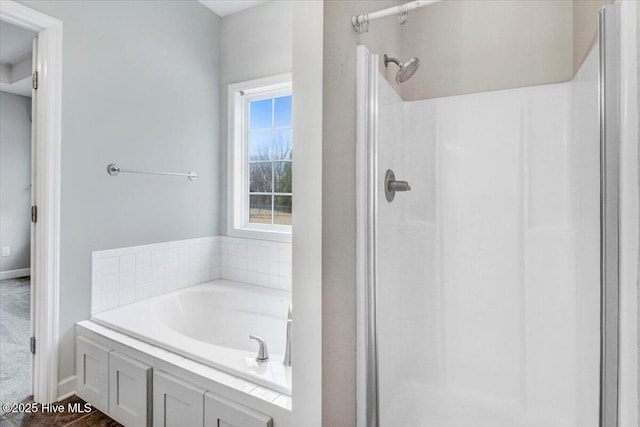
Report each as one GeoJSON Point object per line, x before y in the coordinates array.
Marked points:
{"type": "Point", "coordinates": [45, 202]}
{"type": "Point", "coordinates": [16, 195]}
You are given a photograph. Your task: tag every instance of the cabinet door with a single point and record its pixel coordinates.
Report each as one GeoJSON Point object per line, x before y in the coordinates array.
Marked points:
{"type": "Point", "coordinates": [92, 370]}
{"type": "Point", "coordinates": [176, 403]}
{"type": "Point", "coordinates": [129, 391]}
{"type": "Point", "coordinates": [220, 412]}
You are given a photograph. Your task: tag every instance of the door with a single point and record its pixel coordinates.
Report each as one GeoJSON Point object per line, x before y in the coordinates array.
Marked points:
{"type": "Point", "coordinates": [482, 290]}
{"type": "Point", "coordinates": [34, 100]}
{"type": "Point", "coordinates": [176, 402]}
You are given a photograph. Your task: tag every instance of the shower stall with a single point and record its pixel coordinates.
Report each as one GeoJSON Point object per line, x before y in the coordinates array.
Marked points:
{"type": "Point", "coordinates": [488, 281]}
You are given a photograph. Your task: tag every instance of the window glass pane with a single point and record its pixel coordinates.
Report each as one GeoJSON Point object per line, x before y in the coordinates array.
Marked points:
{"type": "Point", "coordinates": [260, 144]}
{"type": "Point", "coordinates": [282, 177]}
{"type": "Point", "coordinates": [269, 153]}
{"type": "Point", "coordinates": [282, 145]}
{"type": "Point", "coordinates": [283, 111]}
{"type": "Point", "coordinates": [260, 177]}
{"type": "Point", "coordinates": [282, 210]}
{"type": "Point", "coordinates": [260, 209]}
{"type": "Point", "coordinates": [260, 114]}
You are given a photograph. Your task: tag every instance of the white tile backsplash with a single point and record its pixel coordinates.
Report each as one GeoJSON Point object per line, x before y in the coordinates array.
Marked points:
{"type": "Point", "coordinates": [126, 275]}
{"type": "Point", "coordinates": [257, 262]}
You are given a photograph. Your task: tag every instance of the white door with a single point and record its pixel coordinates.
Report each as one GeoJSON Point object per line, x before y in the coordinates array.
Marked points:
{"type": "Point", "coordinates": [32, 263]}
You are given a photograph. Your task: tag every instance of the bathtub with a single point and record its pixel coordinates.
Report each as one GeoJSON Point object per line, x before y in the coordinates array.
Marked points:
{"type": "Point", "coordinates": [211, 323]}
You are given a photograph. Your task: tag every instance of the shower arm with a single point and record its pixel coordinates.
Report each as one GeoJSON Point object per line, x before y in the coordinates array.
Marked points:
{"type": "Point", "coordinates": [394, 60]}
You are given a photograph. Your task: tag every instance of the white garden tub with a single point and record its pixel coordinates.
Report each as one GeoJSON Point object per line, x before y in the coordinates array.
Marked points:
{"type": "Point", "coordinates": [211, 323]}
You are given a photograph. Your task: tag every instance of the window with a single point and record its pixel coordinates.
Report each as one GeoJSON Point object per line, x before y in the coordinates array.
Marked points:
{"type": "Point", "coordinates": [260, 159]}
{"type": "Point", "coordinates": [269, 137]}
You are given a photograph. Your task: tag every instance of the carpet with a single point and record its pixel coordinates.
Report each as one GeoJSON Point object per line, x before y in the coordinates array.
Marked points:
{"type": "Point", "coordinates": [15, 331]}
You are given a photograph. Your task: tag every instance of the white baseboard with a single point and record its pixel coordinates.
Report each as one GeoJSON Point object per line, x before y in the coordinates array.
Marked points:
{"type": "Point", "coordinates": [67, 387]}
{"type": "Point", "coordinates": [14, 274]}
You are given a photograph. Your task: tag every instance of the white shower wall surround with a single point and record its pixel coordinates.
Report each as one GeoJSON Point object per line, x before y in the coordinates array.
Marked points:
{"type": "Point", "coordinates": [488, 276]}
{"type": "Point", "coordinates": [126, 275]}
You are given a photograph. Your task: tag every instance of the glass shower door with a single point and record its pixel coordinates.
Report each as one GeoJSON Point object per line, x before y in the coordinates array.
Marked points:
{"type": "Point", "coordinates": [486, 277]}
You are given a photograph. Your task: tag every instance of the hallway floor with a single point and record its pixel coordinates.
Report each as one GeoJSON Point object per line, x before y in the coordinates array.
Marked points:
{"type": "Point", "coordinates": [15, 331]}
{"type": "Point", "coordinates": [67, 417]}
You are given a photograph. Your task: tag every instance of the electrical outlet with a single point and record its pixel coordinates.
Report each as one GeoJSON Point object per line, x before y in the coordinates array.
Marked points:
{"type": "Point", "coordinates": [6, 251]}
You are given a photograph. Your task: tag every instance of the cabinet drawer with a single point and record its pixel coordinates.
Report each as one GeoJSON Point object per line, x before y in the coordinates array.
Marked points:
{"type": "Point", "coordinates": [92, 369]}
{"type": "Point", "coordinates": [129, 391]}
{"type": "Point", "coordinates": [176, 403]}
{"type": "Point", "coordinates": [220, 412]}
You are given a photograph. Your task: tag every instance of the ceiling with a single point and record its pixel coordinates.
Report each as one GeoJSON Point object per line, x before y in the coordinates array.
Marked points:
{"type": "Point", "coordinates": [15, 59]}
{"type": "Point", "coordinates": [227, 7]}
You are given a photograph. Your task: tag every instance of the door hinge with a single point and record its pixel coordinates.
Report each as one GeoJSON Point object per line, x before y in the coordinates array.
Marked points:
{"type": "Point", "coordinates": [32, 345]}
{"type": "Point", "coordinates": [34, 214]}
{"type": "Point", "coordinates": [34, 80]}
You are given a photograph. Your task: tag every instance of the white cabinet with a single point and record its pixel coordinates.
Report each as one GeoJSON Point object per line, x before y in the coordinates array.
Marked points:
{"type": "Point", "coordinates": [176, 403]}
{"type": "Point", "coordinates": [92, 370]}
{"type": "Point", "coordinates": [220, 412]}
{"type": "Point", "coordinates": [129, 391]}
{"type": "Point", "coordinates": [127, 384]}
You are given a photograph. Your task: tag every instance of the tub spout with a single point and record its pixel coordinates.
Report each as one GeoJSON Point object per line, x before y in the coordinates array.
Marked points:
{"type": "Point", "coordinates": [263, 352]}
{"type": "Point", "coordinates": [287, 352]}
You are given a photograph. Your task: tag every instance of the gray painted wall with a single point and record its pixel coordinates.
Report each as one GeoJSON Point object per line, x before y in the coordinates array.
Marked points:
{"type": "Point", "coordinates": [471, 46]}
{"type": "Point", "coordinates": [139, 88]}
{"type": "Point", "coordinates": [255, 43]}
{"type": "Point", "coordinates": [477, 46]}
{"type": "Point", "coordinates": [15, 180]}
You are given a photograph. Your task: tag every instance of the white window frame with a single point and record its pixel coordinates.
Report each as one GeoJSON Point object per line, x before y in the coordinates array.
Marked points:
{"type": "Point", "coordinates": [240, 94]}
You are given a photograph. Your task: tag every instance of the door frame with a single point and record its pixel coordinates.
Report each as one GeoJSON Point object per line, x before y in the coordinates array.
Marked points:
{"type": "Point", "coordinates": [45, 269]}
{"type": "Point", "coordinates": [629, 364]}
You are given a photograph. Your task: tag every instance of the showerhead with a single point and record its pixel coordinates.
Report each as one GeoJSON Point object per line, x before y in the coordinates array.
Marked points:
{"type": "Point", "coordinates": [406, 69]}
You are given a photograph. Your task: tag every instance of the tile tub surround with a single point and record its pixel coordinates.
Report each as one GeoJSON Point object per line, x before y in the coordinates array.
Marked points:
{"type": "Point", "coordinates": [257, 262]}
{"type": "Point", "coordinates": [126, 275]}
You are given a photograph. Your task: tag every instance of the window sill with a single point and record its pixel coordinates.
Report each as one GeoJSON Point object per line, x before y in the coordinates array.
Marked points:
{"type": "Point", "coordinates": [260, 234]}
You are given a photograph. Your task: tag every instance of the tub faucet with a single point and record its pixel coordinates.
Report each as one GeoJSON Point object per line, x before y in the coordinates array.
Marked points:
{"type": "Point", "coordinates": [287, 351]}
{"type": "Point", "coordinates": [263, 352]}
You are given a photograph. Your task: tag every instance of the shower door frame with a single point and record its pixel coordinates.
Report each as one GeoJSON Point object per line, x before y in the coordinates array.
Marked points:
{"type": "Point", "coordinates": [628, 365]}
{"type": "Point", "coordinates": [609, 117]}
{"type": "Point", "coordinates": [367, 411]}
{"type": "Point", "coordinates": [610, 226]}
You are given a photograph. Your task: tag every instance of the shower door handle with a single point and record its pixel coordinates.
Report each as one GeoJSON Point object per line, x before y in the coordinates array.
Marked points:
{"type": "Point", "coordinates": [399, 186]}
{"type": "Point", "coordinates": [391, 185]}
